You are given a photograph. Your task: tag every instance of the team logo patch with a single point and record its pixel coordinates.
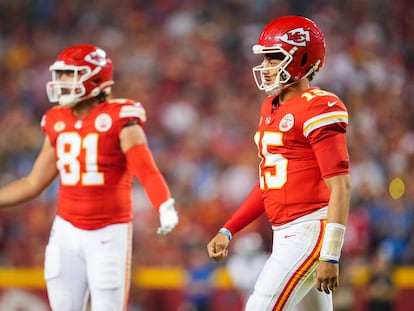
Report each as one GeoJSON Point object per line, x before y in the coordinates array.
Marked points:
{"type": "Point", "coordinates": [287, 122]}
{"type": "Point", "coordinates": [59, 126]}
{"type": "Point", "coordinates": [103, 122]}
{"type": "Point", "coordinates": [296, 37]}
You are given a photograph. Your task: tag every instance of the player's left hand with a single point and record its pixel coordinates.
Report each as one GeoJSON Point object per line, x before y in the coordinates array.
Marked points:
{"type": "Point", "coordinates": [168, 217]}
{"type": "Point", "coordinates": [327, 277]}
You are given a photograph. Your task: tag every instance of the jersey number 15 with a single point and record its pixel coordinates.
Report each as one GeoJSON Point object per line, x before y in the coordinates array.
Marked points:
{"type": "Point", "coordinates": [273, 166]}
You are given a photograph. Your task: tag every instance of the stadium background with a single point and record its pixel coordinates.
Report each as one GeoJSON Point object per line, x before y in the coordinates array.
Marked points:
{"type": "Point", "coordinates": [189, 63]}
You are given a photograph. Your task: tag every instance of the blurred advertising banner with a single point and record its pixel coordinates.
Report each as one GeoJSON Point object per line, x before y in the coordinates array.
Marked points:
{"type": "Point", "coordinates": [168, 288]}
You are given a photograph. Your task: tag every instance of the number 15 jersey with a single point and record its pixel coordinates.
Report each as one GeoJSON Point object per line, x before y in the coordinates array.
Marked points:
{"type": "Point", "coordinates": [300, 143]}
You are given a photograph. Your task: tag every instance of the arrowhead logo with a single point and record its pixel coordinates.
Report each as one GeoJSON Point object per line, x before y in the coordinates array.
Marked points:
{"type": "Point", "coordinates": [296, 37]}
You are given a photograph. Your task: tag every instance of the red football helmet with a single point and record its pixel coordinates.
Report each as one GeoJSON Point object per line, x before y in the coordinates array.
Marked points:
{"type": "Point", "coordinates": [92, 74]}
{"type": "Point", "coordinates": [298, 43]}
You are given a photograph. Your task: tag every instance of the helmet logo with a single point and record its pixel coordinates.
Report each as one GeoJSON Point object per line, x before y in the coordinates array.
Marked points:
{"type": "Point", "coordinates": [297, 37]}
{"type": "Point", "coordinates": [97, 57]}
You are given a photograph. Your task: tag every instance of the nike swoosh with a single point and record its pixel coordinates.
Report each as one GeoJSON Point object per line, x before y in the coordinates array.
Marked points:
{"type": "Point", "coordinates": [332, 104]}
{"type": "Point", "coordinates": [289, 235]}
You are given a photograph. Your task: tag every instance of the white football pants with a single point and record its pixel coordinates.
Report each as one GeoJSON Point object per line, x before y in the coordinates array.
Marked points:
{"type": "Point", "coordinates": [82, 262]}
{"type": "Point", "coordinates": [287, 280]}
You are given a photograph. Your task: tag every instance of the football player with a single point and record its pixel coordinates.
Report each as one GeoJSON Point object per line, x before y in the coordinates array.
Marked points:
{"type": "Point", "coordinates": [304, 185]}
{"type": "Point", "coordinates": [96, 145]}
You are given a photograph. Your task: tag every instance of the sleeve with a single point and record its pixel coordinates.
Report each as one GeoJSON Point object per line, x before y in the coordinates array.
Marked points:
{"type": "Point", "coordinates": [251, 208]}
{"type": "Point", "coordinates": [332, 155]}
{"type": "Point", "coordinates": [327, 116]}
{"type": "Point", "coordinates": [43, 123]}
{"type": "Point", "coordinates": [131, 111]}
{"type": "Point", "coordinates": [325, 128]}
{"type": "Point", "coordinates": [142, 164]}
{"type": "Point", "coordinates": [46, 126]}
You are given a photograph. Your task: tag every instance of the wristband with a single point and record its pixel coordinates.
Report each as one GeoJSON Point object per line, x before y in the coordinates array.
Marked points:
{"type": "Point", "coordinates": [329, 260]}
{"type": "Point", "coordinates": [332, 243]}
{"type": "Point", "coordinates": [226, 232]}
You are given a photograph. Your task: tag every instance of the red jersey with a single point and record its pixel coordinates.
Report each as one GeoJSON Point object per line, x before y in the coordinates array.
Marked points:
{"type": "Point", "coordinates": [95, 183]}
{"type": "Point", "coordinates": [291, 171]}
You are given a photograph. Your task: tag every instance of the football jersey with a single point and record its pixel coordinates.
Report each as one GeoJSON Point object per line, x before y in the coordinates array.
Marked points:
{"type": "Point", "coordinates": [290, 177]}
{"type": "Point", "coordinates": [95, 184]}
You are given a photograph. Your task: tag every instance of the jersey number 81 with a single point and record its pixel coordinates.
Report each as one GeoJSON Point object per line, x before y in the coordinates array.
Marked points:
{"type": "Point", "coordinates": [68, 148]}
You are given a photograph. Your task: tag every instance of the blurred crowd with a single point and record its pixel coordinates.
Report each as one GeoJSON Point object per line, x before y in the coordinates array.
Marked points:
{"type": "Point", "coordinates": [189, 63]}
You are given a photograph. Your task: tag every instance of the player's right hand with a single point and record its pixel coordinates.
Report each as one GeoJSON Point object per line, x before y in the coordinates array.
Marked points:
{"type": "Point", "coordinates": [168, 217]}
{"type": "Point", "coordinates": [218, 247]}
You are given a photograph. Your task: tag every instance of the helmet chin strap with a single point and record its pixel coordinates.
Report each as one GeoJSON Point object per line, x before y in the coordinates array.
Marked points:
{"type": "Point", "coordinates": [276, 89]}
{"type": "Point", "coordinates": [68, 101]}
{"type": "Point", "coordinates": [71, 101]}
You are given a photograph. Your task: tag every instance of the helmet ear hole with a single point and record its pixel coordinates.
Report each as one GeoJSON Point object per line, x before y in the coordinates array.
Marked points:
{"type": "Point", "coordinates": [95, 92]}
{"type": "Point", "coordinates": [304, 59]}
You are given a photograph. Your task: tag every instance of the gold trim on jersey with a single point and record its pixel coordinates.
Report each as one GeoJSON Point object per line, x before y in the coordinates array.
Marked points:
{"type": "Point", "coordinates": [323, 120]}
{"type": "Point", "coordinates": [133, 111]}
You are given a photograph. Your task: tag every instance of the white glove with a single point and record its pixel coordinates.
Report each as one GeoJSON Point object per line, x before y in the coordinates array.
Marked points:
{"type": "Point", "coordinates": [168, 217]}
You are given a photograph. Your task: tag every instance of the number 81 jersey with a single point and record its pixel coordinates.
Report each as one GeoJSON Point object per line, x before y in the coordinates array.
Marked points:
{"type": "Point", "coordinates": [289, 138]}
{"type": "Point", "coordinates": [95, 184]}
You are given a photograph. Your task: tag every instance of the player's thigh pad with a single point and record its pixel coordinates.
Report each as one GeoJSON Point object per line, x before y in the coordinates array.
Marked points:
{"type": "Point", "coordinates": [107, 271]}
{"type": "Point", "coordinates": [59, 298]}
{"type": "Point", "coordinates": [52, 262]}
